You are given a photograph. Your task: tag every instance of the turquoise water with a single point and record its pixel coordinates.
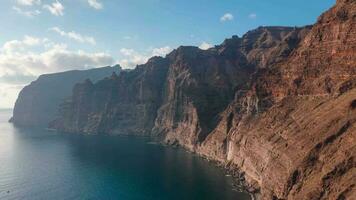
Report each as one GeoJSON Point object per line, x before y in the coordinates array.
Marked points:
{"type": "Point", "coordinates": [38, 164]}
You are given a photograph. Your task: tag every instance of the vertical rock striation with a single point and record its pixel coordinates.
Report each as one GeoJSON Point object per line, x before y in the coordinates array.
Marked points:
{"type": "Point", "coordinates": [179, 97]}
{"type": "Point", "coordinates": [278, 104]}
{"type": "Point", "coordinates": [293, 132]}
{"type": "Point", "coordinates": [37, 103]}
{"type": "Point", "coordinates": [121, 104]}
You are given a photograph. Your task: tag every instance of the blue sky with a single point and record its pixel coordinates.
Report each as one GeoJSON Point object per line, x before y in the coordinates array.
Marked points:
{"type": "Point", "coordinates": [156, 23]}
{"type": "Point", "coordinates": [44, 36]}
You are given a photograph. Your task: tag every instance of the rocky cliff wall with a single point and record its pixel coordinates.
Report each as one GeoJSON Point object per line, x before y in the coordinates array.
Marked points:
{"type": "Point", "coordinates": [121, 104]}
{"type": "Point", "coordinates": [293, 133]}
{"type": "Point", "coordinates": [179, 96]}
{"type": "Point", "coordinates": [37, 103]}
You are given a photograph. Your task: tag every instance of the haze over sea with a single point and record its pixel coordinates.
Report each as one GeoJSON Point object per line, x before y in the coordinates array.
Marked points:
{"type": "Point", "coordinates": [38, 164]}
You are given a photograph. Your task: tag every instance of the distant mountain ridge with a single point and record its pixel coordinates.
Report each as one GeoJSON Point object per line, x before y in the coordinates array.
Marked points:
{"type": "Point", "coordinates": [38, 103]}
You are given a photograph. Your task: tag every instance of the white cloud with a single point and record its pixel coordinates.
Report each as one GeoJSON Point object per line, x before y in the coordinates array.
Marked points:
{"type": "Point", "coordinates": [18, 46]}
{"type": "Point", "coordinates": [28, 2]}
{"type": "Point", "coordinates": [127, 52]}
{"type": "Point", "coordinates": [29, 13]}
{"type": "Point", "coordinates": [31, 41]}
{"type": "Point", "coordinates": [95, 4]}
{"type": "Point", "coordinates": [75, 36]}
{"type": "Point", "coordinates": [162, 51]}
{"type": "Point", "coordinates": [131, 58]}
{"type": "Point", "coordinates": [17, 57]}
{"type": "Point", "coordinates": [226, 17]}
{"type": "Point", "coordinates": [56, 8]}
{"type": "Point", "coordinates": [61, 58]}
{"type": "Point", "coordinates": [252, 16]}
{"type": "Point", "coordinates": [205, 46]}
{"type": "Point", "coordinates": [20, 64]}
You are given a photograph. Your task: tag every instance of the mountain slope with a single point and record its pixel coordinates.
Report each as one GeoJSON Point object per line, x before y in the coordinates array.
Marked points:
{"type": "Point", "coordinates": [37, 103]}
{"type": "Point", "coordinates": [124, 104]}
{"type": "Point", "coordinates": [293, 132]}
{"type": "Point", "coordinates": [188, 88]}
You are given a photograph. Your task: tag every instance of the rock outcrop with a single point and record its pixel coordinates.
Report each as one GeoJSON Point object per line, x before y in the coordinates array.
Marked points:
{"type": "Point", "coordinates": [37, 104]}
{"type": "Point", "coordinates": [278, 104]}
{"type": "Point", "coordinates": [168, 96]}
{"type": "Point", "coordinates": [293, 132]}
{"type": "Point", "coordinates": [121, 104]}
{"type": "Point", "coordinates": [201, 84]}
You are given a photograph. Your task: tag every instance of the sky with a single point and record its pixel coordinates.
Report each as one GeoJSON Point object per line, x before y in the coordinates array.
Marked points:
{"type": "Point", "coordinates": [47, 36]}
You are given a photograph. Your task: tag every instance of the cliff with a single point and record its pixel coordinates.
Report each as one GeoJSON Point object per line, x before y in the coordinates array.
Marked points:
{"type": "Point", "coordinates": [200, 87]}
{"type": "Point", "coordinates": [293, 132]}
{"type": "Point", "coordinates": [124, 104]}
{"type": "Point", "coordinates": [187, 88]}
{"type": "Point", "coordinates": [37, 103]}
{"type": "Point", "coordinates": [278, 105]}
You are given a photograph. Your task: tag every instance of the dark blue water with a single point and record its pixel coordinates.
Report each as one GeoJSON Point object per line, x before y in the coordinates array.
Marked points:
{"type": "Point", "coordinates": [38, 164]}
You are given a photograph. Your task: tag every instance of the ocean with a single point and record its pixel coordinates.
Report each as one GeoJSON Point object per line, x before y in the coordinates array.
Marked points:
{"type": "Point", "coordinates": [37, 164]}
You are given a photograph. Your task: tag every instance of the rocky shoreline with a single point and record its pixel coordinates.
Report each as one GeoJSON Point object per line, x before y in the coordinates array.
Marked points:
{"type": "Point", "coordinates": [239, 182]}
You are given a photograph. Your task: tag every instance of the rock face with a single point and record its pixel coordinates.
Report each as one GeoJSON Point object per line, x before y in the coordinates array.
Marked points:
{"type": "Point", "coordinates": [201, 84]}
{"type": "Point", "coordinates": [37, 104]}
{"type": "Point", "coordinates": [166, 97]}
{"type": "Point", "coordinates": [293, 132]}
{"type": "Point", "coordinates": [124, 104]}
{"type": "Point", "coordinates": [278, 104]}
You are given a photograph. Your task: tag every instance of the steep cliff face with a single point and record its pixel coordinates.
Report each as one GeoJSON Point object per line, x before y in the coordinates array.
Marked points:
{"type": "Point", "coordinates": [266, 46]}
{"type": "Point", "coordinates": [201, 84]}
{"type": "Point", "coordinates": [177, 98]}
{"type": "Point", "coordinates": [37, 104]}
{"type": "Point", "coordinates": [293, 132]}
{"type": "Point", "coordinates": [277, 104]}
{"type": "Point", "coordinates": [123, 104]}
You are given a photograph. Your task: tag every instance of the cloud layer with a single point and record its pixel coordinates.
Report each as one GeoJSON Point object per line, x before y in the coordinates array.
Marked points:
{"type": "Point", "coordinates": [28, 2]}
{"type": "Point", "coordinates": [131, 58]}
{"type": "Point", "coordinates": [30, 8]}
{"type": "Point", "coordinates": [56, 8]}
{"type": "Point", "coordinates": [27, 13]}
{"type": "Point", "coordinates": [75, 36]}
{"type": "Point", "coordinates": [95, 4]}
{"type": "Point", "coordinates": [21, 62]}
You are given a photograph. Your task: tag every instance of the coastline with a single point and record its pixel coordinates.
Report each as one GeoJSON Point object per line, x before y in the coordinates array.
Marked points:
{"type": "Point", "coordinates": [239, 182]}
